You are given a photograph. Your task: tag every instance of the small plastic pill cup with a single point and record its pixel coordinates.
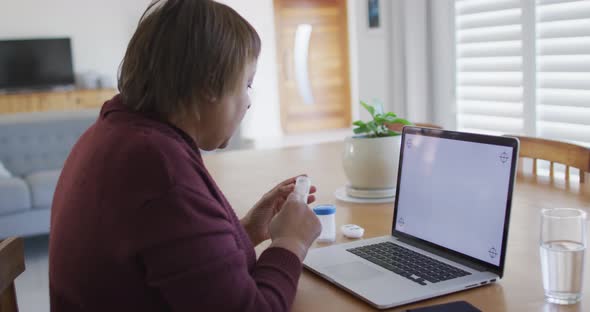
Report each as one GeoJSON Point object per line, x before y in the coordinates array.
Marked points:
{"type": "Point", "coordinates": [327, 216]}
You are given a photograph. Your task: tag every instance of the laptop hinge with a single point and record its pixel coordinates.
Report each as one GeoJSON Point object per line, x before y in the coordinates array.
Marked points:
{"type": "Point", "coordinates": [442, 253]}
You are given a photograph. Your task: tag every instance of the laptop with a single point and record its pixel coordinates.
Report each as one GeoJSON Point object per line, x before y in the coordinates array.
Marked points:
{"type": "Point", "coordinates": [449, 227]}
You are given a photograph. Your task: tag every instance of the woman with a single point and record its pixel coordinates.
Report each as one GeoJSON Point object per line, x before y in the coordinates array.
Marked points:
{"type": "Point", "coordinates": [137, 222]}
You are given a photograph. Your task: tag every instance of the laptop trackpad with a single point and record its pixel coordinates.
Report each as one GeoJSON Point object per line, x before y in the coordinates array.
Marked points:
{"type": "Point", "coordinates": [352, 271]}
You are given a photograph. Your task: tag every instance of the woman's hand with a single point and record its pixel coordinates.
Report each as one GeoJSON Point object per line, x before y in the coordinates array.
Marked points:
{"type": "Point", "coordinates": [257, 221]}
{"type": "Point", "coordinates": [295, 227]}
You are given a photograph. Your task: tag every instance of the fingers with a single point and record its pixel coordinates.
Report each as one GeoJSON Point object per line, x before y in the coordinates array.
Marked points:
{"type": "Point", "coordinates": [291, 187]}
{"type": "Point", "coordinates": [292, 197]}
{"type": "Point", "coordinates": [287, 182]}
{"type": "Point", "coordinates": [287, 187]}
{"type": "Point", "coordinates": [310, 199]}
{"type": "Point", "coordinates": [285, 190]}
{"type": "Point", "coordinates": [281, 191]}
{"type": "Point", "coordinates": [313, 189]}
{"type": "Point", "coordinates": [291, 180]}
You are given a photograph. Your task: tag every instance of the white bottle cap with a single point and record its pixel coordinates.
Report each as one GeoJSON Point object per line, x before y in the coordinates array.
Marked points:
{"type": "Point", "coordinates": [352, 231]}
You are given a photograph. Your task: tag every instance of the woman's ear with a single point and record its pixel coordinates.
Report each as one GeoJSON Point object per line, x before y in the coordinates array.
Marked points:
{"type": "Point", "coordinates": [209, 97]}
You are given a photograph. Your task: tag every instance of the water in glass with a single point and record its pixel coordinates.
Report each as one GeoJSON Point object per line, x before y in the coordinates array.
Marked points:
{"type": "Point", "coordinates": [562, 263]}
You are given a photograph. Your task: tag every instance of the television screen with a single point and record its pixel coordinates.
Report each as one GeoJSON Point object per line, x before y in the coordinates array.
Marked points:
{"type": "Point", "coordinates": [35, 63]}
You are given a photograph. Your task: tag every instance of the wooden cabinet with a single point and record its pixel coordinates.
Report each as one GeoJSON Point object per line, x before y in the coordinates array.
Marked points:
{"type": "Point", "coordinates": [54, 100]}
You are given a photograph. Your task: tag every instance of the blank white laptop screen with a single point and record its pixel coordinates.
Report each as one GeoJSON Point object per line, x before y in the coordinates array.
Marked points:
{"type": "Point", "coordinates": [454, 194]}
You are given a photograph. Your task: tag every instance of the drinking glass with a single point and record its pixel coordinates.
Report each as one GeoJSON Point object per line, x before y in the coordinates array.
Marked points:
{"type": "Point", "coordinates": [562, 246]}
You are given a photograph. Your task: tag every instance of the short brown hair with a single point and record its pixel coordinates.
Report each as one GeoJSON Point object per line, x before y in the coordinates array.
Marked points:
{"type": "Point", "coordinates": [185, 51]}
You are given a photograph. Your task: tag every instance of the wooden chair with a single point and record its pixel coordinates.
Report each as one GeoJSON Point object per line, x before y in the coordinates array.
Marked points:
{"type": "Point", "coordinates": [568, 154]}
{"type": "Point", "coordinates": [12, 264]}
{"type": "Point", "coordinates": [428, 125]}
{"type": "Point", "coordinates": [398, 127]}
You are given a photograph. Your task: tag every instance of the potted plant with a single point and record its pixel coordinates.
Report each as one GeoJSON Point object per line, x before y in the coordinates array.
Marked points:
{"type": "Point", "coordinates": [371, 155]}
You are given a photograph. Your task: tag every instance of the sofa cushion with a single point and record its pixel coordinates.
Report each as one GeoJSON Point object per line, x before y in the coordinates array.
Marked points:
{"type": "Point", "coordinates": [3, 172]}
{"type": "Point", "coordinates": [30, 142]}
{"type": "Point", "coordinates": [42, 184]}
{"type": "Point", "coordinates": [14, 196]}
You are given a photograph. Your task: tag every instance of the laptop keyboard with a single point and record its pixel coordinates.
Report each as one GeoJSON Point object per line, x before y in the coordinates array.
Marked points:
{"type": "Point", "coordinates": [407, 263]}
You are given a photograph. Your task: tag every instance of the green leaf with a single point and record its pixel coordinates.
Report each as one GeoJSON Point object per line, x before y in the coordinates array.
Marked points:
{"type": "Point", "coordinates": [382, 131]}
{"type": "Point", "coordinates": [390, 119]}
{"type": "Point", "coordinates": [369, 108]}
{"type": "Point", "coordinates": [380, 119]}
{"type": "Point", "coordinates": [362, 129]}
{"type": "Point", "coordinates": [377, 127]}
{"type": "Point", "coordinates": [372, 125]}
{"type": "Point", "coordinates": [402, 121]}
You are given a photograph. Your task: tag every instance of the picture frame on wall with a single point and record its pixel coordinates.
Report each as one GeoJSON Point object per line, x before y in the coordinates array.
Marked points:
{"type": "Point", "coordinates": [374, 19]}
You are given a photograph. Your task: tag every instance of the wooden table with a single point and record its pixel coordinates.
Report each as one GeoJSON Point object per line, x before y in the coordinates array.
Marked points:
{"type": "Point", "coordinates": [245, 175]}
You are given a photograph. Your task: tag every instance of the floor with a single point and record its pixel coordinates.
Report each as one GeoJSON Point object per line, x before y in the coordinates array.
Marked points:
{"type": "Point", "coordinates": [32, 286]}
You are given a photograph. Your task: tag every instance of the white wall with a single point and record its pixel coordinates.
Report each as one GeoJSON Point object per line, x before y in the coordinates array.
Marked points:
{"type": "Point", "coordinates": [443, 63]}
{"type": "Point", "coordinates": [100, 30]}
{"type": "Point", "coordinates": [417, 46]}
{"type": "Point", "coordinates": [373, 58]}
{"type": "Point", "coordinates": [394, 62]}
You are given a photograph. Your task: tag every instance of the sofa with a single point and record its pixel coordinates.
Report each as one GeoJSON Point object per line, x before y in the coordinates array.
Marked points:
{"type": "Point", "coordinates": [33, 149]}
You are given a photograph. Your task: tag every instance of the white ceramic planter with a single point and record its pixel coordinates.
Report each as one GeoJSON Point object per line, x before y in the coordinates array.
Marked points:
{"type": "Point", "coordinates": [371, 164]}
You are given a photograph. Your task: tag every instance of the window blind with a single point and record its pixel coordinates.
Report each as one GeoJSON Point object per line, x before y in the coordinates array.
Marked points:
{"type": "Point", "coordinates": [489, 66]}
{"type": "Point", "coordinates": [563, 70]}
{"type": "Point", "coordinates": [523, 67]}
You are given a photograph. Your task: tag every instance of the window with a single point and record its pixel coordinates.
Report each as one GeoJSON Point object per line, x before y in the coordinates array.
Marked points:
{"type": "Point", "coordinates": [523, 67]}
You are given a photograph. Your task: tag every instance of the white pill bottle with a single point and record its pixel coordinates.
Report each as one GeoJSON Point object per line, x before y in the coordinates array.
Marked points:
{"type": "Point", "coordinates": [327, 216]}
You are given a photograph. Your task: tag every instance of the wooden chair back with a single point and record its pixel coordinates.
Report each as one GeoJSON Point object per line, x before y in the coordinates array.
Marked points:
{"type": "Point", "coordinates": [398, 127]}
{"type": "Point", "coordinates": [428, 125]}
{"type": "Point", "coordinates": [12, 264]}
{"type": "Point", "coordinates": [568, 154]}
